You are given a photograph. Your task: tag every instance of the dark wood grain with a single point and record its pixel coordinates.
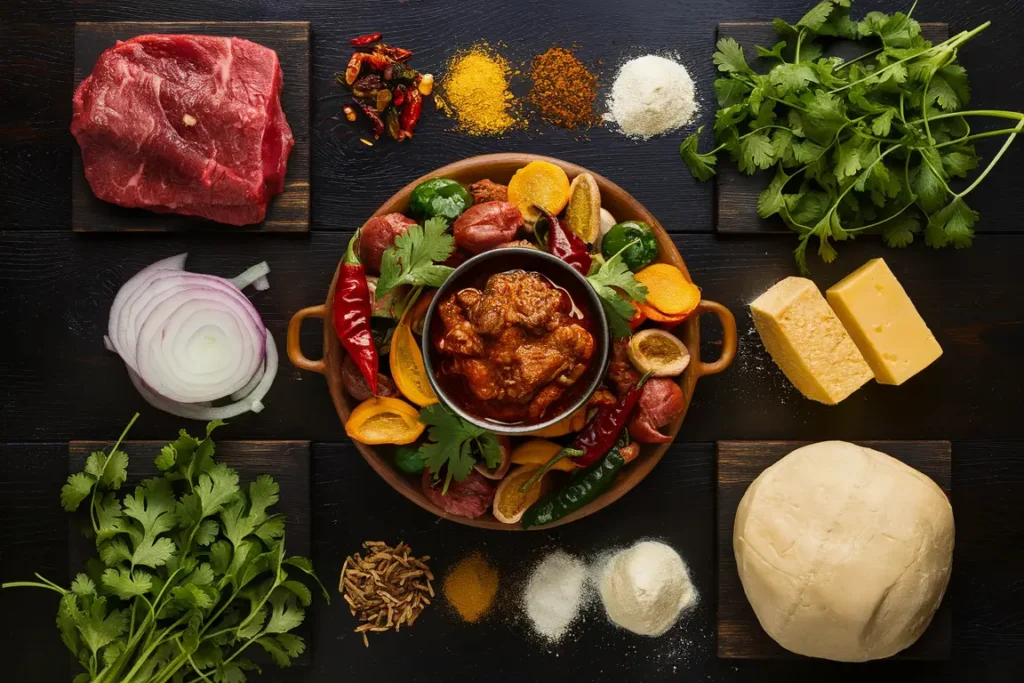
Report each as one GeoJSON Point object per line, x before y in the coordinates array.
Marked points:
{"type": "Point", "coordinates": [736, 193]}
{"type": "Point", "coordinates": [288, 211]}
{"type": "Point", "coordinates": [740, 636]}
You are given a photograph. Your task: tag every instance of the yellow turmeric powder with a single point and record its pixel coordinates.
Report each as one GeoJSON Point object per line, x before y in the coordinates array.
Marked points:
{"type": "Point", "coordinates": [470, 587]}
{"type": "Point", "coordinates": [475, 91]}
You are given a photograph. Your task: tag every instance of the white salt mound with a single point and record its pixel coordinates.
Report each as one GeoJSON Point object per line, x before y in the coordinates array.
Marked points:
{"type": "Point", "coordinates": [645, 588]}
{"type": "Point", "coordinates": [554, 594]}
{"type": "Point", "coordinates": [651, 95]}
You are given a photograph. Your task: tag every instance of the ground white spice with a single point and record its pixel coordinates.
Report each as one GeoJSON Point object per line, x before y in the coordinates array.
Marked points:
{"type": "Point", "coordinates": [652, 95]}
{"type": "Point", "coordinates": [646, 588]}
{"type": "Point", "coordinates": [554, 594]}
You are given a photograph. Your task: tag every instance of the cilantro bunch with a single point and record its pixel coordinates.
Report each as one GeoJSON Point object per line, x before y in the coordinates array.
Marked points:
{"type": "Point", "coordinates": [868, 145]}
{"type": "Point", "coordinates": [192, 571]}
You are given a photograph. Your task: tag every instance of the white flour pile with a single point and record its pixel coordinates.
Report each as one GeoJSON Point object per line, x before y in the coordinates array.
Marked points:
{"type": "Point", "coordinates": [645, 588]}
{"type": "Point", "coordinates": [652, 95]}
{"type": "Point", "coordinates": [554, 594]}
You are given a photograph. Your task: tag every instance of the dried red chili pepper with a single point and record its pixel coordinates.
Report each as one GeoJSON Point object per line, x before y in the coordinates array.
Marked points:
{"type": "Point", "coordinates": [567, 245]}
{"type": "Point", "coordinates": [383, 99]}
{"type": "Point", "coordinates": [367, 86]}
{"type": "Point", "coordinates": [599, 435]}
{"type": "Point", "coordinates": [399, 96]}
{"type": "Point", "coordinates": [377, 62]}
{"type": "Point", "coordinates": [399, 54]}
{"type": "Point", "coordinates": [355, 64]}
{"type": "Point", "coordinates": [393, 126]}
{"type": "Point", "coordinates": [376, 123]}
{"type": "Point", "coordinates": [360, 41]}
{"type": "Point", "coordinates": [411, 110]}
{"type": "Point", "coordinates": [351, 315]}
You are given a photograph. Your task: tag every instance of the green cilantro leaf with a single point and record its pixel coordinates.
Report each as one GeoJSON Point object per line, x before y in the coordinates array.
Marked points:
{"type": "Point", "coordinates": [730, 91]}
{"type": "Point", "coordinates": [455, 443]}
{"type": "Point", "coordinates": [819, 14]}
{"type": "Point", "coordinates": [702, 166]}
{"type": "Point", "coordinates": [216, 488]}
{"type": "Point", "coordinates": [615, 275]}
{"type": "Point", "coordinates": [774, 53]}
{"type": "Point", "coordinates": [127, 584]}
{"type": "Point", "coordinates": [929, 188]}
{"type": "Point", "coordinates": [414, 258]}
{"type": "Point", "coordinates": [78, 488]}
{"type": "Point", "coordinates": [791, 78]}
{"type": "Point", "coordinates": [730, 57]}
{"type": "Point", "coordinates": [882, 124]}
{"type": "Point", "coordinates": [959, 164]}
{"type": "Point", "coordinates": [285, 615]}
{"type": "Point", "coordinates": [900, 231]}
{"type": "Point", "coordinates": [756, 152]}
{"type": "Point", "coordinates": [953, 224]}
{"type": "Point", "coordinates": [848, 158]}
{"type": "Point", "coordinates": [771, 201]}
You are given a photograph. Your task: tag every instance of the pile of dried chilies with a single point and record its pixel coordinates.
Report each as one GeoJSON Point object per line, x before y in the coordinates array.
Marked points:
{"type": "Point", "coordinates": [384, 87]}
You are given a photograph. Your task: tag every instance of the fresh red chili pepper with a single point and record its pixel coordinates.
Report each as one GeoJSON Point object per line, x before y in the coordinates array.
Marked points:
{"type": "Point", "coordinates": [598, 435]}
{"type": "Point", "coordinates": [399, 54]}
{"type": "Point", "coordinates": [376, 122]}
{"type": "Point", "coordinates": [351, 315]}
{"type": "Point", "coordinates": [411, 109]}
{"type": "Point", "coordinates": [567, 245]}
{"type": "Point", "coordinates": [360, 41]}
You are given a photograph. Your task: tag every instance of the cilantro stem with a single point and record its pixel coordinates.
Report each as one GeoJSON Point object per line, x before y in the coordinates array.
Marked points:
{"type": "Point", "coordinates": [799, 42]}
{"type": "Point", "coordinates": [978, 136]}
{"type": "Point", "coordinates": [950, 44]}
{"type": "Point", "coordinates": [995, 160]}
{"type": "Point", "coordinates": [872, 53]}
{"type": "Point", "coordinates": [883, 221]}
{"type": "Point", "coordinates": [34, 584]}
{"type": "Point", "coordinates": [110, 453]}
{"type": "Point", "coordinates": [998, 113]}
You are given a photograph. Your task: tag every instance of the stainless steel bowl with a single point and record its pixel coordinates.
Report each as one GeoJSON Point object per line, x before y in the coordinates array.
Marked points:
{"type": "Point", "coordinates": [531, 260]}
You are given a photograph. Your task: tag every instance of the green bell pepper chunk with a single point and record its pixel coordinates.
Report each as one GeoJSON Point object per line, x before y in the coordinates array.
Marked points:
{"type": "Point", "coordinates": [638, 240]}
{"type": "Point", "coordinates": [441, 197]}
{"type": "Point", "coordinates": [409, 460]}
{"type": "Point", "coordinates": [584, 486]}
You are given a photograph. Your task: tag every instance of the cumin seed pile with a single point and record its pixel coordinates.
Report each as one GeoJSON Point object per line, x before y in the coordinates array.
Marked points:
{"type": "Point", "coordinates": [387, 589]}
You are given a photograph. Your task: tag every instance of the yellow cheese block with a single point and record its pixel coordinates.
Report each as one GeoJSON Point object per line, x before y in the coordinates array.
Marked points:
{"type": "Point", "coordinates": [883, 322]}
{"type": "Point", "coordinates": [806, 340]}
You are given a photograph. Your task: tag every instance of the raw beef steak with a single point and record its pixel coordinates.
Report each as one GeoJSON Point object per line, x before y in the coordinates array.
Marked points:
{"type": "Point", "coordinates": [185, 124]}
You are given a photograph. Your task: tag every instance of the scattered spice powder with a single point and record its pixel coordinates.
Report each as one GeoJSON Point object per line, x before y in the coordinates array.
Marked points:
{"type": "Point", "coordinates": [563, 89]}
{"type": "Point", "coordinates": [470, 587]}
{"type": "Point", "coordinates": [475, 91]}
{"type": "Point", "coordinates": [387, 589]}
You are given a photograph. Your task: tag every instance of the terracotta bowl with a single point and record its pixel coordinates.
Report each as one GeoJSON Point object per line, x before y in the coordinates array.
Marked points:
{"type": "Point", "coordinates": [500, 168]}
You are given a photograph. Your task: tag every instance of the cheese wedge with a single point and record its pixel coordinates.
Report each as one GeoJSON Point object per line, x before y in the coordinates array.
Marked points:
{"type": "Point", "coordinates": [806, 340]}
{"type": "Point", "coordinates": [883, 322]}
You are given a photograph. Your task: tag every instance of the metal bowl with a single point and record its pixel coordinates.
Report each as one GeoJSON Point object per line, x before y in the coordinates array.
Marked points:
{"type": "Point", "coordinates": [560, 273]}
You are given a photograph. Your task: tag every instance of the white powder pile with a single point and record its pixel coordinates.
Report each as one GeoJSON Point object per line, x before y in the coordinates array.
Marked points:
{"type": "Point", "coordinates": [554, 594]}
{"type": "Point", "coordinates": [645, 588]}
{"type": "Point", "coordinates": [652, 95]}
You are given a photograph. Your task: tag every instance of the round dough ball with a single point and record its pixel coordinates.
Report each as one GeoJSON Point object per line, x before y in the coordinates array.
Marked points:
{"type": "Point", "coordinates": [844, 552]}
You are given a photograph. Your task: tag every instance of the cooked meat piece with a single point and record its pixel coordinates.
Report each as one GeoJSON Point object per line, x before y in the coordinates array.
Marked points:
{"type": "Point", "coordinates": [484, 191]}
{"type": "Point", "coordinates": [515, 345]}
{"type": "Point", "coordinates": [621, 373]}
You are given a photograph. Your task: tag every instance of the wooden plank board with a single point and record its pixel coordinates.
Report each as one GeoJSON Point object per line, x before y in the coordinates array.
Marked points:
{"type": "Point", "coordinates": [740, 636]}
{"type": "Point", "coordinates": [288, 462]}
{"type": "Point", "coordinates": [735, 192]}
{"type": "Point", "coordinates": [288, 211]}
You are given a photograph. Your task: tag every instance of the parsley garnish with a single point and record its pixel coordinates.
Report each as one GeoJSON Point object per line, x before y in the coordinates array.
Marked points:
{"type": "Point", "coordinates": [457, 444]}
{"type": "Point", "coordinates": [869, 145]}
{"type": "Point", "coordinates": [192, 571]}
{"type": "Point", "coordinates": [618, 311]}
{"type": "Point", "coordinates": [413, 260]}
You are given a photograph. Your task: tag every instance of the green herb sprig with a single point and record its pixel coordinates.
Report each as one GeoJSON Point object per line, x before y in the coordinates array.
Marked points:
{"type": "Point", "coordinates": [615, 274]}
{"type": "Point", "coordinates": [192, 571]}
{"type": "Point", "coordinates": [868, 145]}
{"type": "Point", "coordinates": [457, 444]}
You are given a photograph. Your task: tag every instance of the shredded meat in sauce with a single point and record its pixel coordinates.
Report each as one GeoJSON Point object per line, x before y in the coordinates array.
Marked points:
{"type": "Point", "coordinates": [515, 344]}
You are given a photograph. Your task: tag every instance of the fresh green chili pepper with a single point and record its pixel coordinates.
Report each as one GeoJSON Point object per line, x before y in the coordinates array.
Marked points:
{"type": "Point", "coordinates": [638, 240]}
{"type": "Point", "coordinates": [584, 486]}
{"type": "Point", "coordinates": [442, 197]}
{"type": "Point", "coordinates": [409, 460]}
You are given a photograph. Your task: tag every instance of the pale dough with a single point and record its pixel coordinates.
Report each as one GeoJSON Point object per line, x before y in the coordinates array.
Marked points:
{"type": "Point", "coordinates": [844, 552]}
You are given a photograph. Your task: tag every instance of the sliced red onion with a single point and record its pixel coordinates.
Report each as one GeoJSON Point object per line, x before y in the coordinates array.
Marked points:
{"type": "Point", "coordinates": [190, 339]}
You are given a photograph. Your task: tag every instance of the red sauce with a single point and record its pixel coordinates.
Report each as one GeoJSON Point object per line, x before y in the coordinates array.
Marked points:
{"type": "Point", "coordinates": [514, 347]}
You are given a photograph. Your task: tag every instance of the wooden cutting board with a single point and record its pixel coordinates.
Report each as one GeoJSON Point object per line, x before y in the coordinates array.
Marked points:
{"type": "Point", "coordinates": [736, 193]}
{"type": "Point", "coordinates": [288, 211]}
{"type": "Point", "coordinates": [288, 462]}
{"type": "Point", "coordinates": [740, 636]}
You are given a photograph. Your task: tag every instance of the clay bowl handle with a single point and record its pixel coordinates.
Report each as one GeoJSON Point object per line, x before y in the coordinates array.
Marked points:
{"type": "Point", "coordinates": [728, 322]}
{"type": "Point", "coordinates": [295, 354]}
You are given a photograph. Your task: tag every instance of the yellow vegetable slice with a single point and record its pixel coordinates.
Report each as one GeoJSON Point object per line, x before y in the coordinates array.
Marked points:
{"type": "Point", "coordinates": [537, 452]}
{"type": "Point", "coordinates": [384, 421]}
{"type": "Point", "coordinates": [509, 502]}
{"type": "Point", "coordinates": [583, 213]}
{"type": "Point", "coordinates": [407, 368]}
{"type": "Point", "coordinates": [539, 183]}
{"type": "Point", "coordinates": [668, 290]}
{"type": "Point", "coordinates": [567, 425]}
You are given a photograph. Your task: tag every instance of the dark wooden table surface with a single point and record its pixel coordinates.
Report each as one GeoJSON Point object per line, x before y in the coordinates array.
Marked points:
{"type": "Point", "coordinates": [57, 383]}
